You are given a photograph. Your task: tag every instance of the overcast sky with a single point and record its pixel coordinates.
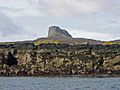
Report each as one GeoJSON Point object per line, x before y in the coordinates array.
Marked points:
{"type": "Point", "coordinates": [30, 19]}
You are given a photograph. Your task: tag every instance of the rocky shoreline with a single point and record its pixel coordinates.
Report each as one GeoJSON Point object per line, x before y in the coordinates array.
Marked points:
{"type": "Point", "coordinates": [60, 60]}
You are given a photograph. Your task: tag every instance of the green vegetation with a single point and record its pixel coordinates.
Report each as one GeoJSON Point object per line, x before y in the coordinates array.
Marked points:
{"type": "Point", "coordinates": [111, 43]}
{"type": "Point", "coordinates": [39, 42]}
{"type": "Point", "coordinates": [7, 43]}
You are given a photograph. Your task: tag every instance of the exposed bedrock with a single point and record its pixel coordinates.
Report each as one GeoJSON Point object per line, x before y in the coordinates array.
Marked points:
{"type": "Point", "coordinates": [64, 59]}
{"type": "Point", "coordinates": [56, 32]}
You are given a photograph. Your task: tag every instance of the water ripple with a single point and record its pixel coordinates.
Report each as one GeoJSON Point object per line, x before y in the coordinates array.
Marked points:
{"type": "Point", "coordinates": [59, 83]}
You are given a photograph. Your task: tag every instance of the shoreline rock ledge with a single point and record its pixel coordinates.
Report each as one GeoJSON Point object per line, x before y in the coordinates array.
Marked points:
{"type": "Point", "coordinates": [56, 32]}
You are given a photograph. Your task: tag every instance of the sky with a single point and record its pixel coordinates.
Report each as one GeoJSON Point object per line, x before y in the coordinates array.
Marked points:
{"type": "Point", "coordinates": [30, 19]}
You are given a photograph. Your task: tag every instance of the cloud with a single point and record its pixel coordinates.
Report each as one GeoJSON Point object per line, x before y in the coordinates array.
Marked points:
{"type": "Point", "coordinates": [9, 31]}
{"type": "Point", "coordinates": [7, 26]}
{"type": "Point", "coordinates": [75, 7]}
{"type": "Point", "coordinates": [19, 8]}
{"type": "Point", "coordinates": [91, 35]}
{"type": "Point", "coordinates": [36, 15]}
{"type": "Point", "coordinates": [55, 7]}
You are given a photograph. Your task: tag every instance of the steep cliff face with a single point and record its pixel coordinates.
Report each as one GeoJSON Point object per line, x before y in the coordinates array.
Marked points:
{"type": "Point", "coordinates": [63, 59]}
{"type": "Point", "coordinates": [57, 33]}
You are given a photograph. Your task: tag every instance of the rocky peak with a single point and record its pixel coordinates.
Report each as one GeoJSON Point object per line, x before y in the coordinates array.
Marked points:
{"type": "Point", "coordinates": [58, 33]}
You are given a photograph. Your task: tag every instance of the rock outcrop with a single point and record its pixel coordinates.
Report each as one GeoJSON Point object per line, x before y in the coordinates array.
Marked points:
{"type": "Point", "coordinates": [60, 59]}
{"type": "Point", "coordinates": [8, 58]}
{"type": "Point", "coordinates": [57, 33]}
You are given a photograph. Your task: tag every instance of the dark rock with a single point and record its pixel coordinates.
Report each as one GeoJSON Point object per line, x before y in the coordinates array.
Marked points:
{"type": "Point", "coordinates": [3, 46]}
{"type": "Point", "coordinates": [11, 60]}
{"type": "Point", "coordinates": [2, 58]}
{"type": "Point", "coordinates": [24, 45]}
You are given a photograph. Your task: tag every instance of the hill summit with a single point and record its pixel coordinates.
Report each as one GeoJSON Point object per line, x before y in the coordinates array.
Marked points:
{"type": "Point", "coordinates": [56, 32]}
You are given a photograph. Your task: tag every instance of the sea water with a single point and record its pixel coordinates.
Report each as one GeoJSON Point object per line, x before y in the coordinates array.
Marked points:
{"type": "Point", "coordinates": [58, 83]}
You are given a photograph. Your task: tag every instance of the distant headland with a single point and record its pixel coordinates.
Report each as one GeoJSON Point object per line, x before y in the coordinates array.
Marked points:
{"type": "Point", "coordinates": [57, 35]}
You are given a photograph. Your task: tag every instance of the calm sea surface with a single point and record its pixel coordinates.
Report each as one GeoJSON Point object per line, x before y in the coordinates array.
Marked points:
{"type": "Point", "coordinates": [59, 83]}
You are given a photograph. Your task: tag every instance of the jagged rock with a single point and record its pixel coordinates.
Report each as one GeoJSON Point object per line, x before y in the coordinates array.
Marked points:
{"type": "Point", "coordinates": [58, 33]}
{"type": "Point", "coordinates": [11, 60]}
{"type": "Point", "coordinates": [60, 59]}
{"type": "Point", "coordinates": [2, 58]}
